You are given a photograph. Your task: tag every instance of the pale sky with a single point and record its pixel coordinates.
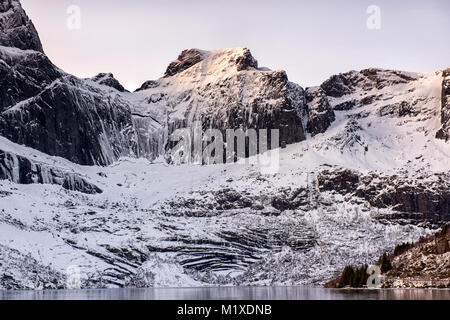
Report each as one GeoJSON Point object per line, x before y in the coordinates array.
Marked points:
{"type": "Point", "coordinates": [311, 40]}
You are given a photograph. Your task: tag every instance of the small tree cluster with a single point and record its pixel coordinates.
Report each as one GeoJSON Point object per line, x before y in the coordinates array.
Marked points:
{"type": "Point", "coordinates": [445, 229]}
{"type": "Point", "coordinates": [400, 248]}
{"type": "Point", "coordinates": [353, 277]}
{"type": "Point", "coordinates": [385, 263]}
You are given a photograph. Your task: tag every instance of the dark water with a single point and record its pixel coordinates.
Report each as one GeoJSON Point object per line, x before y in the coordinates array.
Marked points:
{"type": "Point", "coordinates": [230, 293]}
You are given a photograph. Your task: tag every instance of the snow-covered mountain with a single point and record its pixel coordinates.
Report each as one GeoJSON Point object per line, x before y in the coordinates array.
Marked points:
{"type": "Point", "coordinates": [225, 89]}
{"type": "Point", "coordinates": [364, 165]}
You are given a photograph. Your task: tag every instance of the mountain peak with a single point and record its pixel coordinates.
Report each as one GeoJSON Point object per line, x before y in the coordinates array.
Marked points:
{"type": "Point", "coordinates": [108, 79]}
{"type": "Point", "coordinates": [16, 29]}
{"type": "Point", "coordinates": [241, 58]}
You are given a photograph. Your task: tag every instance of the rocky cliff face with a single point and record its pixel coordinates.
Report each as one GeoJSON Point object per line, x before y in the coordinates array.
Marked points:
{"type": "Point", "coordinates": [346, 83]}
{"type": "Point", "coordinates": [444, 132]}
{"type": "Point", "coordinates": [224, 89]}
{"type": "Point", "coordinates": [51, 111]}
{"type": "Point", "coordinates": [19, 169]}
{"type": "Point", "coordinates": [16, 29]}
{"type": "Point", "coordinates": [319, 112]}
{"type": "Point", "coordinates": [74, 120]}
{"type": "Point", "coordinates": [23, 74]}
{"type": "Point", "coordinates": [424, 199]}
{"type": "Point", "coordinates": [46, 109]}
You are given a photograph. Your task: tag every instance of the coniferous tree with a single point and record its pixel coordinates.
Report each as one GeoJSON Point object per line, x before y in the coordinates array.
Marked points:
{"type": "Point", "coordinates": [385, 263]}
{"type": "Point", "coordinates": [346, 277]}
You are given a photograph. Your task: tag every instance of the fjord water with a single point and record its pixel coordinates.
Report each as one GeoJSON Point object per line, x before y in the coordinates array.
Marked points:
{"type": "Point", "coordinates": [229, 293]}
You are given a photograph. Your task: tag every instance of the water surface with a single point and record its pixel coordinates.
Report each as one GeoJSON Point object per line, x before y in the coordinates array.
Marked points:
{"type": "Point", "coordinates": [230, 293]}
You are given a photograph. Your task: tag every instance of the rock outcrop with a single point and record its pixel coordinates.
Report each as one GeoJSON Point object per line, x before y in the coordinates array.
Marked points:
{"type": "Point", "coordinates": [23, 74]}
{"type": "Point", "coordinates": [424, 199]}
{"type": "Point", "coordinates": [185, 60]}
{"type": "Point", "coordinates": [421, 264]}
{"type": "Point", "coordinates": [346, 83]}
{"type": "Point", "coordinates": [22, 170]}
{"type": "Point", "coordinates": [73, 120]}
{"type": "Point", "coordinates": [46, 109]}
{"type": "Point", "coordinates": [16, 29]}
{"type": "Point", "coordinates": [108, 79]}
{"type": "Point", "coordinates": [320, 114]}
{"type": "Point", "coordinates": [444, 132]}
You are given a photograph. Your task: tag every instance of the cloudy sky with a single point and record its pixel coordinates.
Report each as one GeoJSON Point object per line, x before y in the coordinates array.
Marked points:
{"type": "Point", "coordinates": [311, 40]}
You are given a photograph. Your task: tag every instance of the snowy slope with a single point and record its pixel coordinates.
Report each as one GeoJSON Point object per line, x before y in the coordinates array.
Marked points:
{"type": "Point", "coordinates": [161, 225]}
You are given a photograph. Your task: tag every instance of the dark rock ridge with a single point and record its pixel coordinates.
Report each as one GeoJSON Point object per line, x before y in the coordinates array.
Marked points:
{"type": "Point", "coordinates": [320, 113]}
{"type": "Point", "coordinates": [185, 60]}
{"type": "Point", "coordinates": [444, 132]}
{"type": "Point", "coordinates": [16, 29]}
{"type": "Point", "coordinates": [147, 85]}
{"type": "Point", "coordinates": [428, 196]}
{"type": "Point", "coordinates": [74, 120]}
{"type": "Point", "coordinates": [22, 170]}
{"type": "Point", "coordinates": [23, 74]}
{"type": "Point", "coordinates": [346, 83]}
{"type": "Point", "coordinates": [108, 79]}
{"type": "Point", "coordinates": [351, 90]}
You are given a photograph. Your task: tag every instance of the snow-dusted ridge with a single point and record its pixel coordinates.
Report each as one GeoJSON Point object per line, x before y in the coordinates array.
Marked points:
{"type": "Point", "coordinates": [364, 166]}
